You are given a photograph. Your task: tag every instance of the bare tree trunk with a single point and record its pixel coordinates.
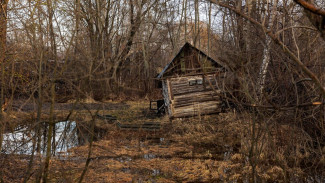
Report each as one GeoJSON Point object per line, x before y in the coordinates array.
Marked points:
{"type": "Point", "coordinates": [196, 22]}
{"type": "Point", "coordinates": [264, 66]}
{"type": "Point", "coordinates": [39, 104]}
{"type": "Point", "coordinates": [40, 53]}
{"type": "Point", "coordinates": [51, 122]}
{"type": "Point", "coordinates": [209, 28]}
{"type": "Point", "coordinates": [77, 14]}
{"type": "Point", "coordinates": [135, 21]}
{"type": "Point", "coordinates": [92, 131]}
{"type": "Point", "coordinates": [37, 138]}
{"type": "Point", "coordinates": [178, 35]}
{"type": "Point", "coordinates": [3, 46]}
{"type": "Point", "coordinates": [185, 21]}
{"type": "Point", "coordinates": [145, 59]}
{"type": "Point", "coordinates": [49, 135]}
{"type": "Point", "coordinates": [267, 47]}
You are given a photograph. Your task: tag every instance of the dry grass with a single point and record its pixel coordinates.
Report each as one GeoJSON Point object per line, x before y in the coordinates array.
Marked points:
{"type": "Point", "coordinates": [215, 148]}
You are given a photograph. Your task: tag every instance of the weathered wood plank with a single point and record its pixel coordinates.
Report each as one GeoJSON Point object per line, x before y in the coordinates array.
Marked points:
{"type": "Point", "coordinates": [197, 96]}
{"type": "Point", "coordinates": [181, 85]}
{"type": "Point", "coordinates": [192, 90]}
{"type": "Point", "coordinates": [184, 82]}
{"type": "Point", "coordinates": [183, 104]}
{"type": "Point", "coordinates": [198, 108]}
{"type": "Point", "coordinates": [187, 83]}
{"type": "Point", "coordinates": [201, 93]}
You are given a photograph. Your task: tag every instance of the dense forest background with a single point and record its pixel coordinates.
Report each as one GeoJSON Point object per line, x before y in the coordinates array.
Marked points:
{"type": "Point", "coordinates": [109, 49]}
{"type": "Point", "coordinates": [59, 51]}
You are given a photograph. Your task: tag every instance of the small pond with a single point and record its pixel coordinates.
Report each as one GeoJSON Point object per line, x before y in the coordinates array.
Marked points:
{"type": "Point", "coordinates": [20, 141]}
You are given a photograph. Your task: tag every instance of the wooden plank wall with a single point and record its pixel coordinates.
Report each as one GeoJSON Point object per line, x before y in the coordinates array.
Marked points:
{"type": "Point", "coordinates": [192, 95]}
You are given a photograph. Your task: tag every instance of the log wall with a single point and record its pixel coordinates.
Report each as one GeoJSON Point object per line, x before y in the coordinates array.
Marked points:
{"type": "Point", "coordinates": [191, 96]}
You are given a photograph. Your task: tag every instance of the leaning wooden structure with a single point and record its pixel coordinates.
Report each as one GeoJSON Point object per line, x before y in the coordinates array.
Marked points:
{"type": "Point", "coordinates": [191, 83]}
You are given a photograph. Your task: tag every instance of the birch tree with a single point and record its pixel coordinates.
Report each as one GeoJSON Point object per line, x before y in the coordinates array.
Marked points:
{"type": "Point", "coordinates": [3, 43]}
{"type": "Point", "coordinates": [269, 18]}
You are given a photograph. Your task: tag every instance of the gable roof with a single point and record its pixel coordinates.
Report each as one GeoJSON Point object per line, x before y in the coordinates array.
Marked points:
{"type": "Point", "coordinates": [188, 45]}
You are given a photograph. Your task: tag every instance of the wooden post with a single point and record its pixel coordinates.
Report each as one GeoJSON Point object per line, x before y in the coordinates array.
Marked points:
{"type": "Point", "coordinates": [171, 98]}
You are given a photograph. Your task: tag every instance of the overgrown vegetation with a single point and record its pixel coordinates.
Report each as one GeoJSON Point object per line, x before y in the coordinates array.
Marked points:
{"type": "Point", "coordinates": [71, 61]}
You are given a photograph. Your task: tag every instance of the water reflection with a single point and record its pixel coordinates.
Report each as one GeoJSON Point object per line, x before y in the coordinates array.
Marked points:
{"type": "Point", "coordinates": [21, 140]}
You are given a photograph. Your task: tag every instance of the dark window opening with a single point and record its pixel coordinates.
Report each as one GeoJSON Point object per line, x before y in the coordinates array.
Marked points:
{"type": "Point", "coordinates": [195, 82]}
{"type": "Point", "coordinates": [199, 81]}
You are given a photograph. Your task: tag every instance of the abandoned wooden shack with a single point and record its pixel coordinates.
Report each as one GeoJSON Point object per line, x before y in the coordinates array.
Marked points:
{"type": "Point", "coordinates": [191, 83]}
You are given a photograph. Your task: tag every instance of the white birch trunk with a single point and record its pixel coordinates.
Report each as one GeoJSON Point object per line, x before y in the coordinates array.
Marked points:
{"type": "Point", "coordinates": [266, 51]}
{"type": "Point", "coordinates": [264, 66]}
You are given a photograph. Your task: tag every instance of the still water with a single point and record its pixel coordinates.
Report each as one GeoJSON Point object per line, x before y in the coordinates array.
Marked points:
{"type": "Point", "coordinates": [20, 141]}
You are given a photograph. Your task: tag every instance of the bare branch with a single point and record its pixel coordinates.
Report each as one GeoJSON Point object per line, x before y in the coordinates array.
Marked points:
{"type": "Point", "coordinates": [304, 68]}
{"type": "Point", "coordinates": [310, 7]}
